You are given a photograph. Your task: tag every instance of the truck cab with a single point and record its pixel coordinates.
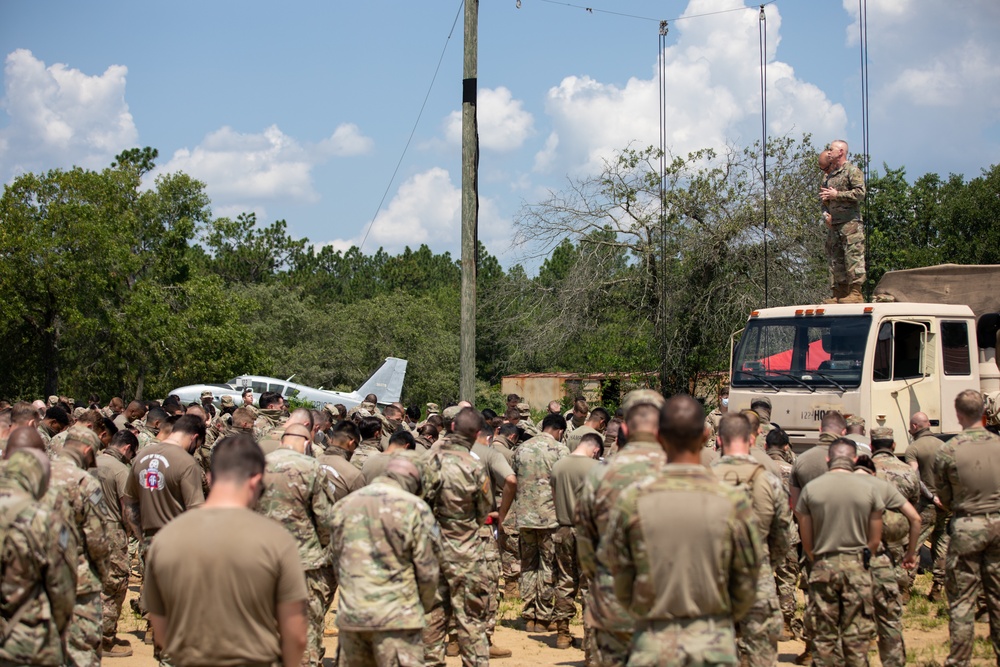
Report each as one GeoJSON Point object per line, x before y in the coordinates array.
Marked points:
{"type": "Point", "coordinates": [879, 361]}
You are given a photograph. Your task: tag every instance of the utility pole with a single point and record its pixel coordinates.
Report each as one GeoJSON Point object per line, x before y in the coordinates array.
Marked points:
{"type": "Point", "coordinates": [470, 204]}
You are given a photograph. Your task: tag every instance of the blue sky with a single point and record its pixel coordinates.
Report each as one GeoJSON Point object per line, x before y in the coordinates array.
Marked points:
{"type": "Point", "coordinates": [300, 111]}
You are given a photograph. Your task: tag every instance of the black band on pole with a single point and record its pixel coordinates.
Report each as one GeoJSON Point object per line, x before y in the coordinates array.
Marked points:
{"type": "Point", "coordinates": [469, 87]}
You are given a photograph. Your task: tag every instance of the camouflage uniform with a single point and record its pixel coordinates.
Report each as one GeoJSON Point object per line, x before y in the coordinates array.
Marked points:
{"type": "Point", "coordinates": [537, 523]}
{"type": "Point", "coordinates": [684, 601]}
{"type": "Point", "coordinates": [296, 494]}
{"type": "Point", "coordinates": [933, 521]}
{"type": "Point", "coordinates": [78, 497]}
{"type": "Point", "coordinates": [507, 535]}
{"type": "Point", "coordinates": [457, 488]}
{"type": "Point", "coordinates": [840, 611]}
{"type": "Point", "coordinates": [607, 625]}
{"type": "Point", "coordinates": [845, 240]}
{"type": "Point", "coordinates": [267, 421]}
{"type": "Point", "coordinates": [366, 449]}
{"type": "Point", "coordinates": [47, 435]}
{"type": "Point", "coordinates": [967, 471]}
{"type": "Point", "coordinates": [37, 568]}
{"type": "Point", "coordinates": [113, 472]}
{"type": "Point", "coordinates": [757, 634]}
{"type": "Point", "coordinates": [786, 568]}
{"type": "Point", "coordinates": [384, 544]}
{"type": "Point", "coordinates": [889, 579]}
{"type": "Point", "coordinates": [498, 470]}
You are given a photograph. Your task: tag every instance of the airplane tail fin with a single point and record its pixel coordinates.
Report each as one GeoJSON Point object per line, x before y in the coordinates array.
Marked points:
{"type": "Point", "coordinates": [386, 382]}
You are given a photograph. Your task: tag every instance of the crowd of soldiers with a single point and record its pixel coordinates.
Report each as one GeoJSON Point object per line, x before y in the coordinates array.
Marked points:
{"type": "Point", "coordinates": [683, 538]}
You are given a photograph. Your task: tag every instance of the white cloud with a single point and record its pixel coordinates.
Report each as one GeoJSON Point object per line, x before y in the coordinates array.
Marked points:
{"type": "Point", "coordinates": [427, 209]}
{"type": "Point", "coordinates": [504, 125]}
{"type": "Point", "coordinates": [712, 89]}
{"type": "Point", "coordinates": [60, 117]}
{"type": "Point", "coordinates": [263, 165]}
{"type": "Point", "coordinates": [934, 83]}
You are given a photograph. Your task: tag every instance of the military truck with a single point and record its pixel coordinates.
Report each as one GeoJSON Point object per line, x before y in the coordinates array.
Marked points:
{"type": "Point", "coordinates": [927, 335]}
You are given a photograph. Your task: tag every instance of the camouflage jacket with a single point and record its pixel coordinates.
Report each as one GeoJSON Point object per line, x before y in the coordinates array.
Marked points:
{"type": "Point", "coordinates": [849, 182]}
{"type": "Point", "coordinates": [714, 574]}
{"type": "Point", "coordinates": [457, 488]}
{"type": "Point", "coordinates": [636, 464]}
{"type": "Point", "coordinates": [77, 496]}
{"type": "Point", "coordinates": [383, 541]}
{"type": "Point", "coordinates": [37, 570]}
{"type": "Point", "coordinates": [365, 449]}
{"type": "Point", "coordinates": [267, 421]}
{"type": "Point", "coordinates": [967, 472]}
{"type": "Point", "coordinates": [296, 495]}
{"type": "Point", "coordinates": [895, 527]}
{"type": "Point", "coordinates": [532, 464]}
{"type": "Point", "coordinates": [768, 499]}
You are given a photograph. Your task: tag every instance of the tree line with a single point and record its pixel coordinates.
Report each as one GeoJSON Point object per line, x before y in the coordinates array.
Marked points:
{"type": "Point", "coordinates": [113, 288]}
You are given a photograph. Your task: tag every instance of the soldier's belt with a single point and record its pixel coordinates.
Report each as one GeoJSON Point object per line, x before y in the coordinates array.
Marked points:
{"type": "Point", "coordinates": [710, 622]}
{"type": "Point", "coordinates": [851, 556]}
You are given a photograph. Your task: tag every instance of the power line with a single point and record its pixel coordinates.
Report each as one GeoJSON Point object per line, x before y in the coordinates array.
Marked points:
{"type": "Point", "coordinates": [593, 10]}
{"type": "Point", "coordinates": [865, 147]}
{"type": "Point", "coordinates": [415, 124]}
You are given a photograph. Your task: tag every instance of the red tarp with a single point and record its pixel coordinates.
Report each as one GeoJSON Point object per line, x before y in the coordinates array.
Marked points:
{"type": "Point", "coordinates": [782, 361]}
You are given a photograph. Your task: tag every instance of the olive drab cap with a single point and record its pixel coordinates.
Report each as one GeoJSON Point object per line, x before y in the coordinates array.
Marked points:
{"type": "Point", "coordinates": [855, 420]}
{"type": "Point", "coordinates": [881, 433]}
{"type": "Point", "coordinates": [227, 401]}
{"type": "Point", "coordinates": [84, 435]}
{"type": "Point", "coordinates": [524, 408]}
{"type": "Point", "coordinates": [206, 394]}
{"type": "Point", "coordinates": [433, 409]}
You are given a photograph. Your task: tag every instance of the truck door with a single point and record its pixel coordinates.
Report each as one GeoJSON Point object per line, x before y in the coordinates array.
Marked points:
{"type": "Point", "coordinates": [904, 376]}
{"type": "Point", "coordinates": [957, 366]}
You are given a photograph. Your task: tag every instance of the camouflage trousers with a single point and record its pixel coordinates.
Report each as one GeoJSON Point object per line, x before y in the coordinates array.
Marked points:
{"type": "Point", "coordinates": [491, 579]}
{"type": "Point", "coordinates": [758, 632]}
{"type": "Point", "coordinates": [786, 580]}
{"type": "Point", "coordinates": [396, 648]}
{"type": "Point", "coordinates": [934, 527]}
{"type": "Point", "coordinates": [841, 610]}
{"type": "Point", "coordinates": [566, 573]}
{"type": "Point", "coordinates": [973, 566]}
{"type": "Point", "coordinates": [461, 597]}
{"type": "Point", "coordinates": [603, 648]}
{"type": "Point", "coordinates": [684, 643]}
{"type": "Point", "coordinates": [845, 249]}
{"type": "Point", "coordinates": [537, 560]}
{"type": "Point", "coordinates": [116, 585]}
{"type": "Point", "coordinates": [84, 640]}
{"type": "Point", "coordinates": [888, 601]}
{"type": "Point", "coordinates": [320, 583]}
{"type": "Point", "coordinates": [510, 552]}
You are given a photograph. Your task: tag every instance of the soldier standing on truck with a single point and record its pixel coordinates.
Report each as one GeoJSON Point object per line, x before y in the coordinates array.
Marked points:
{"type": "Point", "coordinates": [842, 192]}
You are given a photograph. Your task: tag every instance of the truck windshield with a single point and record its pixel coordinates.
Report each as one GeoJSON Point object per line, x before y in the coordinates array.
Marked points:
{"type": "Point", "coordinates": [802, 352]}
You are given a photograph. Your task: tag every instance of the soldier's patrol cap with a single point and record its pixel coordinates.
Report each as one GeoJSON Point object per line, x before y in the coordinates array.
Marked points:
{"type": "Point", "coordinates": [524, 408]}
{"type": "Point", "coordinates": [855, 420]}
{"type": "Point", "coordinates": [78, 412]}
{"type": "Point", "coordinates": [206, 394]}
{"type": "Point", "coordinates": [227, 401]}
{"type": "Point", "coordinates": [83, 435]}
{"type": "Point", "coordinates": [368, 405]}
{"type": "Point", "coordinates": [433, 409]}
{"type": "Point", "coordinates": [53, 400]}
{"type": "Point", "coordinates": [297, 430]}
{"type": "Point", "coordinates": [451, 412]}
{"type": "Point", "coordinates": [881, 433]}
{"type": "Point", "coordinates": [760, 401]}
{"type": "Point", "coordinates": [638, 397]}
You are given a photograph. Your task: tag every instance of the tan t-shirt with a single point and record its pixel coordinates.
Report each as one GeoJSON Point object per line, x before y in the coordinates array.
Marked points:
{"type": "Point", "coordinates": [923, 450]}
{"type": "Point", "coordinates": [166, 481]}
{"type": "Point", "coordinates": [840, 505]}
{"type": "Point", "coordinates": [340, 473]}
{"type": "Point", "coordinates": [568, 475]}
{"type": "Point", "coordinates": [218, 575]}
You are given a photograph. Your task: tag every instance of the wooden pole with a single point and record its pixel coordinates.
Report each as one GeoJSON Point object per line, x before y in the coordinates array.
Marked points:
{"type": "Point", "coordinates": [470, 204]}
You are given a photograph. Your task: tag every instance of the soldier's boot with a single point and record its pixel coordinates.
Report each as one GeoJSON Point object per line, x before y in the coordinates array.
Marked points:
{"type": "Point", "coordinates": [529, 626]}
{"type": "Point", "coordinates": [787, 633]}
{"type": "Point", "coordinates": [839, 291]}
{"type": "Point", "coordinates": [452, 649]}
{"type": "Point", "coordinates": [564, 639]}
{"type": "Point", "coordinates": [804, 658]}
{"type": "Point", "coordinates": [497, 652]}
{"type": "Point", "coordinates": [854, 296]}
{"type": "Point", "coordinates": [511, 589]}
{"type": "Point", "coordinates": [112, 649]}
{"type": "Point", "coordinates": [147, 638]}
{"type": "Point", "coordinates": [552, 626]}
{"type": "Point", "coordinates": [934, 594]}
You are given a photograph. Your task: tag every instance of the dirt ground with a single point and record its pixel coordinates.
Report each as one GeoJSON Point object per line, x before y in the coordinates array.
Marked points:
{"type": "Point", "coordinates": [926, 634]}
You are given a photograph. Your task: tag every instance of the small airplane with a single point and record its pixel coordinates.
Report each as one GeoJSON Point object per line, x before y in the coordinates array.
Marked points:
{"type": "Point", "coordinates": [386, 383]}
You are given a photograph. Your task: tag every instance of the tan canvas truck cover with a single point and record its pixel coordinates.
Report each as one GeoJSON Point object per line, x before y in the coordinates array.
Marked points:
{"type": "Point", "coordinates": [975, 286]}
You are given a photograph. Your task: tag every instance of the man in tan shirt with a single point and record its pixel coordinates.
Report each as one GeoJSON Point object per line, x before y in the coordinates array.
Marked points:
{"type": "Point", "coordinates": [224, 585]}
